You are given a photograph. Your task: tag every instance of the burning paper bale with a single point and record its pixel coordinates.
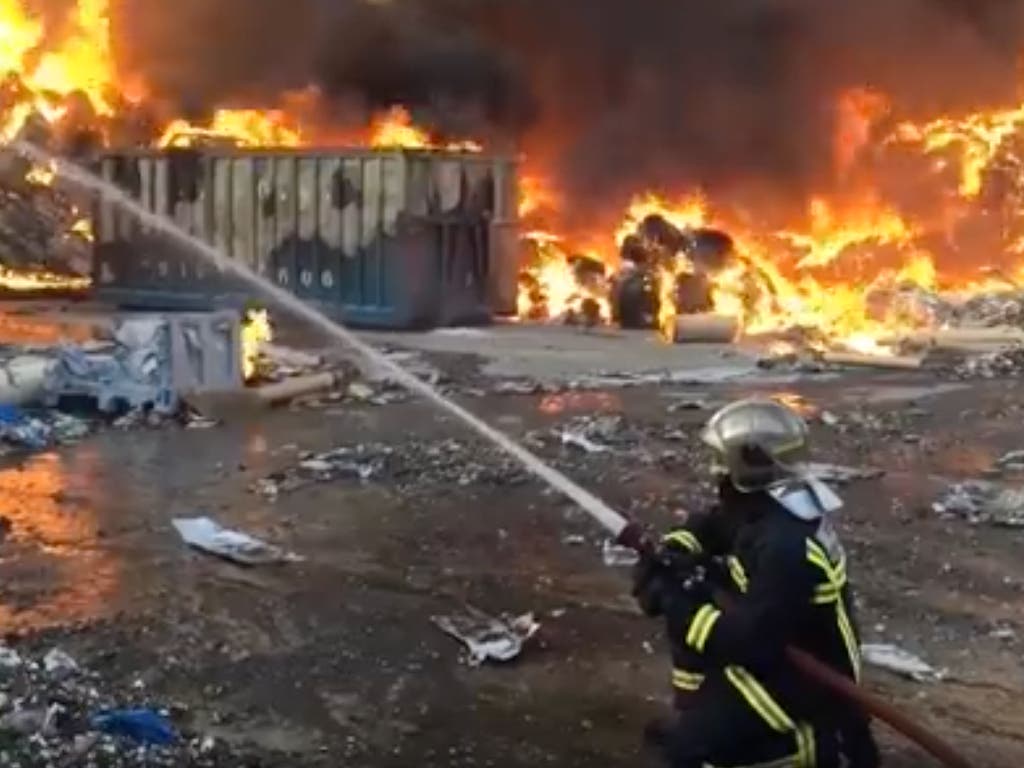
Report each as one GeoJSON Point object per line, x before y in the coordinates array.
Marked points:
{"type": "Point", "coordinates": [486, 637]}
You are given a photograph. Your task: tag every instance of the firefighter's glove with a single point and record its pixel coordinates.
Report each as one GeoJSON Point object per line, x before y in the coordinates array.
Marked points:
{"type": "Point", "coordinates": [681, 601]}
{"type": "Point", "coordinates": [659, 574]}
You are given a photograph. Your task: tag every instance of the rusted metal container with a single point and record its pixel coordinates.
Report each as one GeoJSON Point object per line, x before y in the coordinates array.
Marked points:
{"type": "Point", "coordinates": [387, 239]}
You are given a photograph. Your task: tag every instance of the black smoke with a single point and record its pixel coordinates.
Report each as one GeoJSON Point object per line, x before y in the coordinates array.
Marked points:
{"type": "Point", "coordinates": [613, 94]}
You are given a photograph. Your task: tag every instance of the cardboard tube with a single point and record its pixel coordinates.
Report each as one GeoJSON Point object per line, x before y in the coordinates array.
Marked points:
{"type": "Point", "coordinates": [898, 362]}
{"type": "Point", "coordinates": [705, 328]}
{"type": "Point", "coordinates": [289, 389]}
{"type": "Point", "coordinates": [965, 338]}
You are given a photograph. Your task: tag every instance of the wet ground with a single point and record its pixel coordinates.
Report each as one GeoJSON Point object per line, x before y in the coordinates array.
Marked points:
{"type": "Point", "coordinates": [335, 660]}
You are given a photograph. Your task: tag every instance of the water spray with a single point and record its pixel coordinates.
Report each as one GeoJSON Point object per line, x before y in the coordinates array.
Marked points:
{"type": "Point", "coordinates": [625, 531]}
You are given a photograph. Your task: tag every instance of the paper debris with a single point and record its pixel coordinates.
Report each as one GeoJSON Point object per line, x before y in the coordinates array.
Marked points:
{"type": "Point", "coordinates": [978, 501]}
{"type": "Point", "coordinates": [615, 556]}
{"type": "Point", "coordinates": [581, 441]}
{"type": "Point", "coordinates": [839, 474]}
{"type": "Point", "coordinates": [487, 637]}
{"type": "Point", "coordinates": [901, 662]}
{"type": "Point", "coordinates": [208, 536]}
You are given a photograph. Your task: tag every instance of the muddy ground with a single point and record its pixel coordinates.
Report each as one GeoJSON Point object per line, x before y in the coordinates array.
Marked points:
{"type": "Point", "coordinates": [335, 660]}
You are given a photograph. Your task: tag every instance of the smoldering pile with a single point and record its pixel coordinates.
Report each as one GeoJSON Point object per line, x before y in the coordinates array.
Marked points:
{"type": "Point", "coordinates": [43, 230]}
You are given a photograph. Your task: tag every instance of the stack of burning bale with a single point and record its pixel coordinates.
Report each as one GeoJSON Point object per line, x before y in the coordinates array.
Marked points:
{"type": "Point", "coordinates": [45, 237]}
{"type": "Point", "coordinates": [657, 251]}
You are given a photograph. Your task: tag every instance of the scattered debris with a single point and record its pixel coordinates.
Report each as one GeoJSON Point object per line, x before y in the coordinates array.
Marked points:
{"type": "Point", "coordinates": [140, 725]}
{"type": "Point", "coordinates": [901, 662]}
{"type": "Point", "coordinates": [55, 715]}
{"type": "Point", "coordinates": [409, 464]}
{"type": "Point", "coordinates": [59, 663]}
{"type": "Point", "coordinates": [486, 637]}
{"type": "Point", "coordinates": [1012, 460]}
{"type": "Point", "coordinates": [208, 536]}
{"type": "Point", "coordinates": [991, 365]}
{"type": "Point", "coordinates": [841, 475]}
{"type": "Point", "coordinates": [979, 501]}
{"type": "Point", "coordinates": [581, 441]}
{"type": "Point", "coordinates": [616, 556]}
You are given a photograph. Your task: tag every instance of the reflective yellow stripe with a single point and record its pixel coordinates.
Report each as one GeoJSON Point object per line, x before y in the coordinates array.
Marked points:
{"type": "Point", "coordinates": [806, 749]}
{"type": "Point", "coordinates": [739, 575]}
{"type": "Point", "coordinates": [759, 699]}
{"type": "Point", "coordinates": [687, 681]}
{"type": "Point", "coordinates": [684, 539]}
{"type": "Point", "coordinates": [701, 626]}
{"type": "Point", "coordinates": [849, 638]}
{"type": "Point", "coordinates": [832, 593]}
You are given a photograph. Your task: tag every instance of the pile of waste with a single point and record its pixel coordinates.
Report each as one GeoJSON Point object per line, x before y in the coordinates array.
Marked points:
{"type": "Point", "coordinates": [43, 230]}
{"type": "Point", "coordinates": [55, 712]}
{"type": "Point", "coordinates": [405, 465]}
{"type": "Point", "coordinates": [981, 501]}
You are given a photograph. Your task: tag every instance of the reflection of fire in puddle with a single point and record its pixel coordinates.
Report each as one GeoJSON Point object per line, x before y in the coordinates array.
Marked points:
{"type": "Point", "coordinates": [53, 571]}
{"type": "Point", "coordinates": [580, 401]}
{"type": "Point", "coordinates": [31, 329]}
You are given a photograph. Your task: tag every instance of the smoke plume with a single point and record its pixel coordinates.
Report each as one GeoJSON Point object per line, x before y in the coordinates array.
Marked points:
{"type": "Point", "coordinates": [613, 94]}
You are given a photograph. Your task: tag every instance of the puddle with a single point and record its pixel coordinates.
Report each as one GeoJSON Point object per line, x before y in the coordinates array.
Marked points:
{"type": "Point", "coordinates": [53, 567]}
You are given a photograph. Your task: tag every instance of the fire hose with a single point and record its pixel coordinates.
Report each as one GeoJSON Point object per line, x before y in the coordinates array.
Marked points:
{"type": "Point", "coordinates": [630, 534]}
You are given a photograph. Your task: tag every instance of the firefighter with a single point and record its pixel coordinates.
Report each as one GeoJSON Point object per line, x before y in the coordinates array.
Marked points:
{"type": "Point", "coordinates": [770, 546]}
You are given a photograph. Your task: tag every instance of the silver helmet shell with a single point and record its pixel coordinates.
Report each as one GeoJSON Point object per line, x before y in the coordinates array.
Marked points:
{"type": "Point", "coordinates": [759, 443]}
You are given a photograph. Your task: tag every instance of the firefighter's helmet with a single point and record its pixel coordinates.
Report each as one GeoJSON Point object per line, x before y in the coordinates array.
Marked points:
{"type": "Point", "coordinates": [758, 443]}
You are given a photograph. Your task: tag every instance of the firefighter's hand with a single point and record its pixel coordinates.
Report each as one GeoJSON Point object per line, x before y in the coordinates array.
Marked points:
{"type": "Point", "coordinates": [660, 573]}
{"type": "Point", "coordinates": [649, 583]}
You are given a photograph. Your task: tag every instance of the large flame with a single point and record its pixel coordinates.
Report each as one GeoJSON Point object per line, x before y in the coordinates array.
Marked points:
{"type": "Point", "coordinates": [825, 268]}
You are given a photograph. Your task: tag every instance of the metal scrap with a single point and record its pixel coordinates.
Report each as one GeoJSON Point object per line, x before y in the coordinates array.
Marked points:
{"type": "Point", "coordinates": [486, 637]}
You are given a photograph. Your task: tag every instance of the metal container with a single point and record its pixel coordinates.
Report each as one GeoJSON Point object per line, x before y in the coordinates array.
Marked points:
{"type": "Point", "coordinates": [387, 239]}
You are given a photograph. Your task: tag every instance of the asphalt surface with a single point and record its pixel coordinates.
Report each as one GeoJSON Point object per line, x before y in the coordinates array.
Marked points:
{"type": "Point", "coordinates": [335, 659]}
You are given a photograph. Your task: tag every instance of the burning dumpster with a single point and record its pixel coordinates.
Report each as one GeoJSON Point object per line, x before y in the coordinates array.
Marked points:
{"type": "Point", "coordinates": [376, 238]}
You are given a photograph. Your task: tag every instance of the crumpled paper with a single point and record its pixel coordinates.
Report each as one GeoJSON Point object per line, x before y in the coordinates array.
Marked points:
{"type": "Point", "coordinates": [487, 637]}
{"type": "Point", "coordinates": [978, 501]}
{"type": "Point", "coordinates": [209, 536]}
{"type": "Point", "coordinates": [901, 662]}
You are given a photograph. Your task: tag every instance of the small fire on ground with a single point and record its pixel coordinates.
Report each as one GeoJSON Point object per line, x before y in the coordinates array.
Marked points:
{"type": "Point", "coordinates": [256, 332]}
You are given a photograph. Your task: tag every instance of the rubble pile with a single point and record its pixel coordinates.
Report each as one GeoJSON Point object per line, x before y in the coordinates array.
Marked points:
{"type": "Point", "coordinates": [993, 364]}
{"type": "Point", "coordinates": [42, 228]}
{"type": "Point", "coordinates": [410, 464]}
{"type": "Point", "coordinates": [980, 501]}
{"type": "Point", "coordinates": [53, 712]}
